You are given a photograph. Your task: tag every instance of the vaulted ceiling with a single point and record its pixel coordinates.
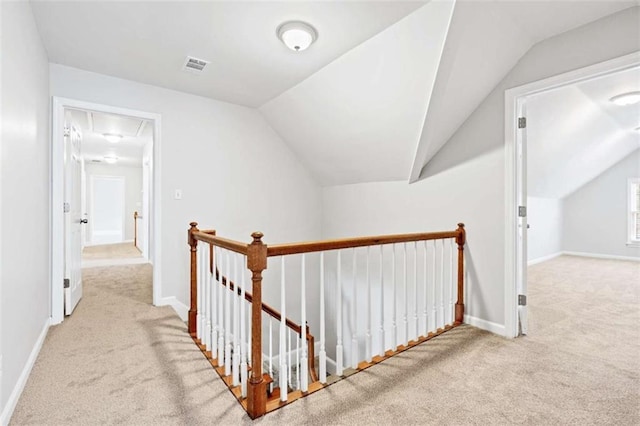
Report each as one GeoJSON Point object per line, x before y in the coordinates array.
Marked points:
{"type": "Point", "coordinates": [381, 91]}
{"type": "Point", "coordinates": [575, 133]}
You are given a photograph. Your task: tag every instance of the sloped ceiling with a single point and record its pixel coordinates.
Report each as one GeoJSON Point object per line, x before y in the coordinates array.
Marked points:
{"type": "Point", "coordinates": [358, 118]}
{"type": "Point", "coordinates": [486, 40]}
{"type": "Point", "coordinates": [148, 41]}
{"type": "Point", "coordinates": [575, 133]}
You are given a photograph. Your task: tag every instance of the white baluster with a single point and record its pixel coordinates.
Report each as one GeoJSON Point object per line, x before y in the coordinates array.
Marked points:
{"type": "Point", "coordinates": [199, 292]}
{"type": "Point", "coordinates": [394, 327]}
{"type": "Point", "coordinates": [203, 295]}
{"type": "Point", "coordinates": [339, 354]}
{"type": "Point", "coordinates": [289, 356]}
{"type": "Point", "coordinates": [236, 324]}
{"type": "Point", "coordinates": [415, 290]}
{"type": "Point", "coordinates": [298, 337]}
{"type": "Point", "coordinates": [220, 310]}
{"type": "Point", "coordinates": [207, 283]}
{"type": "Point", "coordinates": [368, 333]}
{"type": "Point", "coordinates": [243, 342]}
{"type": "Point", "coordinates": [354, 314]}
{"type": "Point", "coordinates": [227, 319]}
{"type": "Point", "coordinates": [213, 301]}
{"type": "Point", "coordinates": [304, 373]}
{"type": "Point", "coordinates": [283, 335]}
{"type": "Point", "coordinates": [434, 310]}
{"type": "Point", "coordinates": [271, 352]}
{"type": "Point", "coordinates": [323, 352]}
{"type": "Point", "coordinates": [441, 321]}
{"type": "Point", "coordinates": [382, 346]}
{"type": "Point", "coordinates": [451, 281]}
{"type": "Point", "coordinates": [426, 292]}
{"type": "Point", "coordinates": [405, 294]}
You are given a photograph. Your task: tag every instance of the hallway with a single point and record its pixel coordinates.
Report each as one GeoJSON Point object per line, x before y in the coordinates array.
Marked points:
{"type": "Point", "coordinates": [120, 360]}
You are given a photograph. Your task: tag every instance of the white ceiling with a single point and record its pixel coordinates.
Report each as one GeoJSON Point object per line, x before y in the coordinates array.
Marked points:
{"type": "Point", "coordinates": [94, 147]}
{"type": "Point", "coordinates": [149, 41]}
{"type": "Point", "coordinates": [575, 133]}
{"type": "Point", "coordinates": [362, 104]}
{"type": "Point", "coordinates": [486, 40]}
{"type": "Point", "coordinates": [359, 118]}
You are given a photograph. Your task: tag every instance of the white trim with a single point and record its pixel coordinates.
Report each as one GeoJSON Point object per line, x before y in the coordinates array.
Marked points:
{"type": "Point", "coordinates": [511, 98]}
{"type": "Point", "coordinates": [601, 256]}
{"type": "Point", "coordinates": [56, 218]}
{"type": "Point", "coordinates": [486, 325]}
{"type": "Point", "coordinates": [24, 376]}
{"type": "Point", "coordinates": [181, 309]}
{"type": "Point", "coordinates": [114, 262]}
{"type": "Point", "coordinates": [544, 258]}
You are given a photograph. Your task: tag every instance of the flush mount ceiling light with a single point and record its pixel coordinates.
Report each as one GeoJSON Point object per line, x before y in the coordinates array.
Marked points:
{"type": "Point", "coordinates": [626, 98]}
{"type": "Point", "coordinates": [297, 35]}
{"type": "Point", "coordinates": [111, 160]}
{"type": "Point", "coordinates": [112, 137]}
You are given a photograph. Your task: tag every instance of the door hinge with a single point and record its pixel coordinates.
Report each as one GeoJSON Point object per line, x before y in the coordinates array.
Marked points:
{"type": "Point", "coordinates": [522, 122]}
{"type": "Point", "coordinates": [66, 283]}
{"type": "Point", "coordinates": [66, 208]}
{"type": "Point", "coordinates": [522, 211]}
{"type": "Point", "coordinates": [522, 300]}
{"type": "Point", "coordinates": [66, 132]}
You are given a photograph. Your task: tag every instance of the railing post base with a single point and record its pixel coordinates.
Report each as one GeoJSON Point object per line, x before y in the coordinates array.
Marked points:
{"type": "Point", "coordinates": [459, 313]}
{"type": "Point", "coordinates": [257, 399]}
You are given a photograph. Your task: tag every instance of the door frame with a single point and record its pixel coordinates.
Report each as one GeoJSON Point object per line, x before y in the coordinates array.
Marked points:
{"type": "Point", "coordinates": [515, 167]}
{"type": "Point", "coordinates": [56, 215]}
{"type": "Point", "coordinates": [92, 180]}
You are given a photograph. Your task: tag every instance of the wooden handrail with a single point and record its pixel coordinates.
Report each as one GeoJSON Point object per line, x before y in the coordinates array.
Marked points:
{"type": "Point", "coordinates": [257, 253]}
{"type": "Point", "coordinates": [208, 237]}
{"type": "Point", "coordinates": [313, 246]}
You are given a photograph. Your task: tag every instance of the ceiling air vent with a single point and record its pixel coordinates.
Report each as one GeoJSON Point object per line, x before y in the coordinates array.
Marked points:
{"type": "Point", "coordinates": [194, 65]}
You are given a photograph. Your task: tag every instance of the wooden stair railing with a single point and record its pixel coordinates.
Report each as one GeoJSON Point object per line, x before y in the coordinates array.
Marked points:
{"type": "Point", "coordinates": [277, 315]}
{"type": "Point", "coordinates": [257, 401]}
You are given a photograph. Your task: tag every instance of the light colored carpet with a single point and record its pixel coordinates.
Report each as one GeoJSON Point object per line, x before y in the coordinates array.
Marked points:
{"type": "Point", "coordinates": [118, 360]}
{"type": "Point", "coordinates": [111, 251]}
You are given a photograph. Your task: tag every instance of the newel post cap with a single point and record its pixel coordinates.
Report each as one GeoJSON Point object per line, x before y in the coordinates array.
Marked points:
{"type": "Point", "coordinates": [257, 237]}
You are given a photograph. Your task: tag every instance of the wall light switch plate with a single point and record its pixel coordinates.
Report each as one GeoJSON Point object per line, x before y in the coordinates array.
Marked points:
{"type": "Point", "coordinates": [178, 194]}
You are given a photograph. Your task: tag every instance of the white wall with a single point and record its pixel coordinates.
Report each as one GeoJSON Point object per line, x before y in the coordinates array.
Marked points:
{"type": "Point", "coordinates": [235, 173]}
{"type": "Point", "coordinates": [465, 180]}
{"type": "Point", "coordinates": [595, 216]}
{"type": "Point", "coordinates": [133, 190]}
{"type": "Point", "coordinates": [24, 177]}
{"type": "Point", "coordinates": [544, 215]}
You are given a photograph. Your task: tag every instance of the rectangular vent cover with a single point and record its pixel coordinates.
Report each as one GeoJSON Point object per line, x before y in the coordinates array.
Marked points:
{"type": "Point", "coordinates": [194, 64]}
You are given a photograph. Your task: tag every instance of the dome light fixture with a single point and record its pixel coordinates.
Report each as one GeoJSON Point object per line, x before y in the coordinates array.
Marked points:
{"type": "Point", "coordinates": [112, 137]}
{"type": "Point", "coordinates": [111, 159]}
{"type": "Point", "coordinates": [629, 98]}
{"type": "Point", "coordinates": [297, 35]}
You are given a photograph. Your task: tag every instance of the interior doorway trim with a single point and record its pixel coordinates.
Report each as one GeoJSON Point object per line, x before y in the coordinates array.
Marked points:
{"type": "Point", "coordinates": [515, 166]}
{"type": "Point", "coordinates": [56, 214]}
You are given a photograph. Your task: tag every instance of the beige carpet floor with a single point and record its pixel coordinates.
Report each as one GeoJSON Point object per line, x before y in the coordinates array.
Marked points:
{"type": "Point", "coordinates": [118, 360]}
{"type": "Point", "coordinates": [110, 251]}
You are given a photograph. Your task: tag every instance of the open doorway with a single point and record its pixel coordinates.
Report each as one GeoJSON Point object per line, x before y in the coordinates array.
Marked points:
{"type": "Point", "coordinates": [565, 138]}
{"type": "Point", "coordinates": [103, 174]}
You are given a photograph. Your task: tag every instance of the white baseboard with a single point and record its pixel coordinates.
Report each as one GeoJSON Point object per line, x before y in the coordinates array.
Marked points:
{"type": "Point", "coordinates": [7, 411]}
{"type": "Point", "coordinates": [486, 325]}
{"type": "Point", "coordinates": [181, 309]}
{"type": "Point", "coordinates": [601, 256]}
{"type": "Point", "coordinates": [544, 258]}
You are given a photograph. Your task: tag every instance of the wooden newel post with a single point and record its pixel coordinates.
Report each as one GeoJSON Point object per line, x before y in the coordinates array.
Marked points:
{"type": "Point", "coordinates": [460, 240]}
{"type": "Point", "coordinates": [257, 390]}
{"type": "Point", "coordinates": [193, 310]}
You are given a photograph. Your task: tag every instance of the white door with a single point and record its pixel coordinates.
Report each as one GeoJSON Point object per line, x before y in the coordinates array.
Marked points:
{"type": "Point", "coordinates": [73, 219]}
{"type": "Point", "coordinates": [107, 209]}
{"type": "Point", "coordinates": [522, 218]}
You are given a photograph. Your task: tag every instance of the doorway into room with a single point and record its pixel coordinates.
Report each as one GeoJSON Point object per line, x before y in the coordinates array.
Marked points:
{"type": "Point", "coordinates": [103, 174]}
